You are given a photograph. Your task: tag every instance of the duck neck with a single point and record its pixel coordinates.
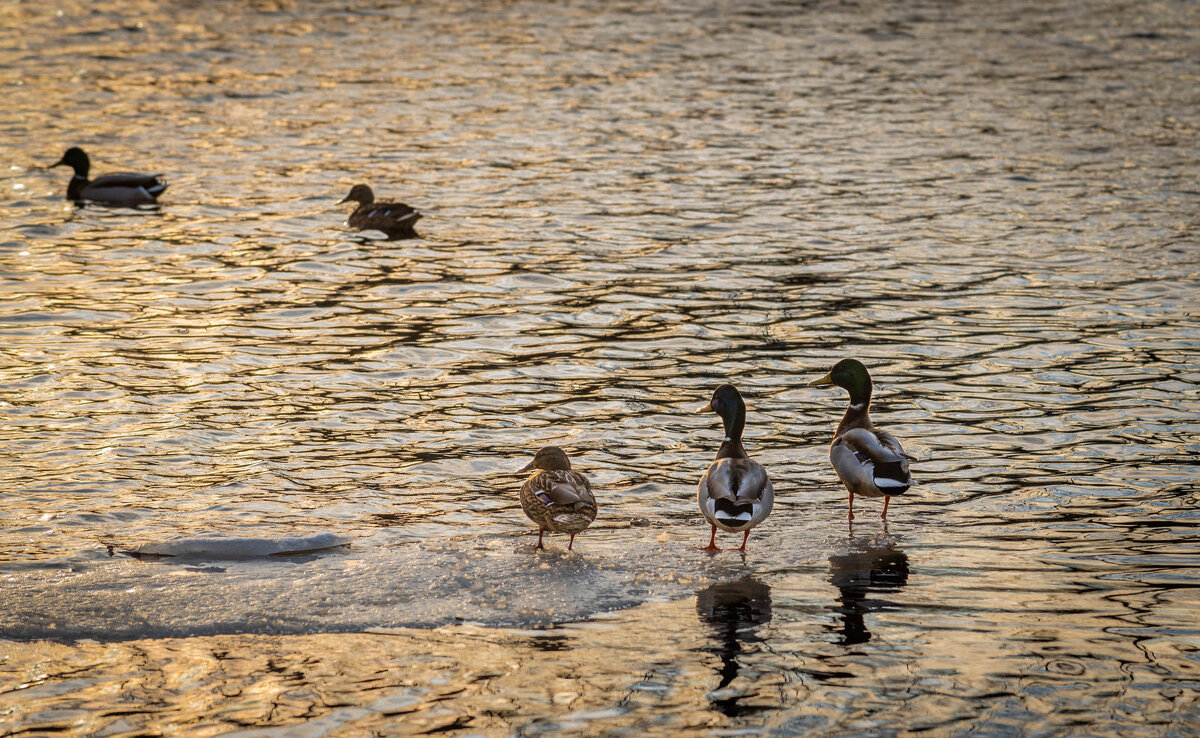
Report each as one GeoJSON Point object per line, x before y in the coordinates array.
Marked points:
{"type": "Point", "coordinates": [858, 412]}
{"type": "Point", "coordinates": [731, 447]}
{"type": "Point", "coordinates": [76, 185]}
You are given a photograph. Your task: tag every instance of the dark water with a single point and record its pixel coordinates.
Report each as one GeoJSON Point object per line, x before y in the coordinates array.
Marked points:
{"type": "Point", "coordinates": [995, 206]}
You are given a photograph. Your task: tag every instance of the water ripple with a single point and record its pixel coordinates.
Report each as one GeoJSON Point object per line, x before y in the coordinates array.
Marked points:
{"type": "Point", "coordinates": [992, 206]}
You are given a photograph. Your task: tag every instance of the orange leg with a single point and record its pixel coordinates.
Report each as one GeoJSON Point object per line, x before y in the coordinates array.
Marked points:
{"type": "Point", "coordinates": [540, 539]}
{"type": "Point", "coordinates": [744, 539]}
{"type": "Point", "coordinates": [712, 541]}
{"type": "Point", "coordinates": [852, 506]}
{"type": "Point", "coordinates": [886, 500]}
{"type": "Point", "coordinates": [572, 543]}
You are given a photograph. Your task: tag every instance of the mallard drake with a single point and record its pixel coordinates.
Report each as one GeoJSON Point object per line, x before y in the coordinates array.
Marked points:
{"type": "Point", "coordinates": [113, 189]}
{"type": "Point", "coordinates": [869, 461]}
{"type": "Point", "coordinates": [735, 493]}
{"type": "Point", "coordinates": [556, 498]}
{"type": "Point", "coordinates": [393, 218]}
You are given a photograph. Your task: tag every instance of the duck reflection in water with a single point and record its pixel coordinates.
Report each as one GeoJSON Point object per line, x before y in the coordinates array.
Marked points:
{"type": "Point", "coordinates": [734, 610]}
{"type": "Point", "coordinates": [868, 567]}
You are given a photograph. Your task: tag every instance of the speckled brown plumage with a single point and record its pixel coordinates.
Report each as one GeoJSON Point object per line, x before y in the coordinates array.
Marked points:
{"type": "Point", "coordinates": [555, 497]}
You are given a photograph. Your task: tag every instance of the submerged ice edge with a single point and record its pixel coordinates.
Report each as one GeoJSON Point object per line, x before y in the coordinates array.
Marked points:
{"type": "Point", "coordinates": [239, 548]}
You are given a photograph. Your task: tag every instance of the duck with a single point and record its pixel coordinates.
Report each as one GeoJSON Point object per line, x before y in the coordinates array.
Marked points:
{"type": "Point", "coordinates": [735, 494]}
{"type": "Point", "coordinates": [393, 218]}
{"type": "Point", "coordinates": [869, 460]}
{"type": "Point", "coordinates": [555, 497]}
{"type": "Point", "coordinates": [125, 188]}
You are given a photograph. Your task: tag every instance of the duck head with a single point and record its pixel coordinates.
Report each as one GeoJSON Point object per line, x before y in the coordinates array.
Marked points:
{"type": "Point", "coordinates": [76, 159]}
{"type": "Point", "coordinates": [359, 193]}
{"type": "Point", "coordinates": [850, 375]}
{"type": "Point", "coordinates": [728, 404]}
{"type": "Point", "coordinates": [548, 458]}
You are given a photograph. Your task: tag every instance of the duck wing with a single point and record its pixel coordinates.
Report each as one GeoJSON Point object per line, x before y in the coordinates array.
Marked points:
{"type": "Point", "coordinates": [736, 494]}
{"type": "Point", "coordinates": [125, 187]}
{"type": "Point", "coordinates": [560, 491]}
{"type": "Point", "coordinates": [393, 218]}
{"type": "Point", "coordinates": [128, 179]}
{"type": "Point", "coordinates": [871, 462]}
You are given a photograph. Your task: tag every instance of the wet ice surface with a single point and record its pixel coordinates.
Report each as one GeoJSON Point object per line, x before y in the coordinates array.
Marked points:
{"type": "Point", "coordinates": [993, 205]}
{"type": "Point", "coordinates": [489, 580]}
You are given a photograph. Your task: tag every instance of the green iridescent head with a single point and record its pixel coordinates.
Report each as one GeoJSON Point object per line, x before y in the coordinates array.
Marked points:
{"type": "Point", "coordinates": [728, 404]}
{"type": "Point", "coordinates": [850, 375]}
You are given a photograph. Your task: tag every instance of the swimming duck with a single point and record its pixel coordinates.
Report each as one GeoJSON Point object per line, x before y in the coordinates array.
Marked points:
{"type": "Point", "coordinates": [869, 461]}
{"type": "Point", "coordinates": [112, 189]}
{"type": "Point", "coordinates": [393, 218]}
{"type": "Point", "coordinates": [556, 498]}
{"type": "Point", "coordinates": [735, 493]}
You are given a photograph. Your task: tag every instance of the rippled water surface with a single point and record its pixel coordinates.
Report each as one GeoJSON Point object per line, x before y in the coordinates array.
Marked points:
{"type": "Point", "coordinates": [994, 205]}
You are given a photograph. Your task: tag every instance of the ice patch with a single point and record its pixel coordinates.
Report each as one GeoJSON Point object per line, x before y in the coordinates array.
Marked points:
{"type": "Point", "coordinates": [496, 580]}
{"type": "Point", "coordinates": [240, 548]}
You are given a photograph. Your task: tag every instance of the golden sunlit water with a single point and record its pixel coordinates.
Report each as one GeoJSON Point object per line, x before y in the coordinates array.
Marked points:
{"type": "Point", "coordinates": [256, 469]}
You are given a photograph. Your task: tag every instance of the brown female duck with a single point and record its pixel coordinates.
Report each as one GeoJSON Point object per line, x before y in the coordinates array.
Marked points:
{"type": "Point", "coordinates": [393, 218]}
{"type": "Point", "coordinates": [556, 498]}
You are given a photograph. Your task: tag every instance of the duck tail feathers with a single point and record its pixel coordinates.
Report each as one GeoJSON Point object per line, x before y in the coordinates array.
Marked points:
{"type": "Point", "coordinates": [891, 477]}
{"type": "Point", "coordinates": [728, 512]}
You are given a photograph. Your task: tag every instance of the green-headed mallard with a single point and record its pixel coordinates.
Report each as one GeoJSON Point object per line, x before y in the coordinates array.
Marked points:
{"type": "Point", "coordinates": [735, 493]}
{"type": "Point", "coordinates": [112, 189]}
{"type": "Point", "coordinates": [869, 461]}
{"type": "Point", "coordinates": [556, 498]}
{"type": "Point", "coordinates": [393, 218]}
